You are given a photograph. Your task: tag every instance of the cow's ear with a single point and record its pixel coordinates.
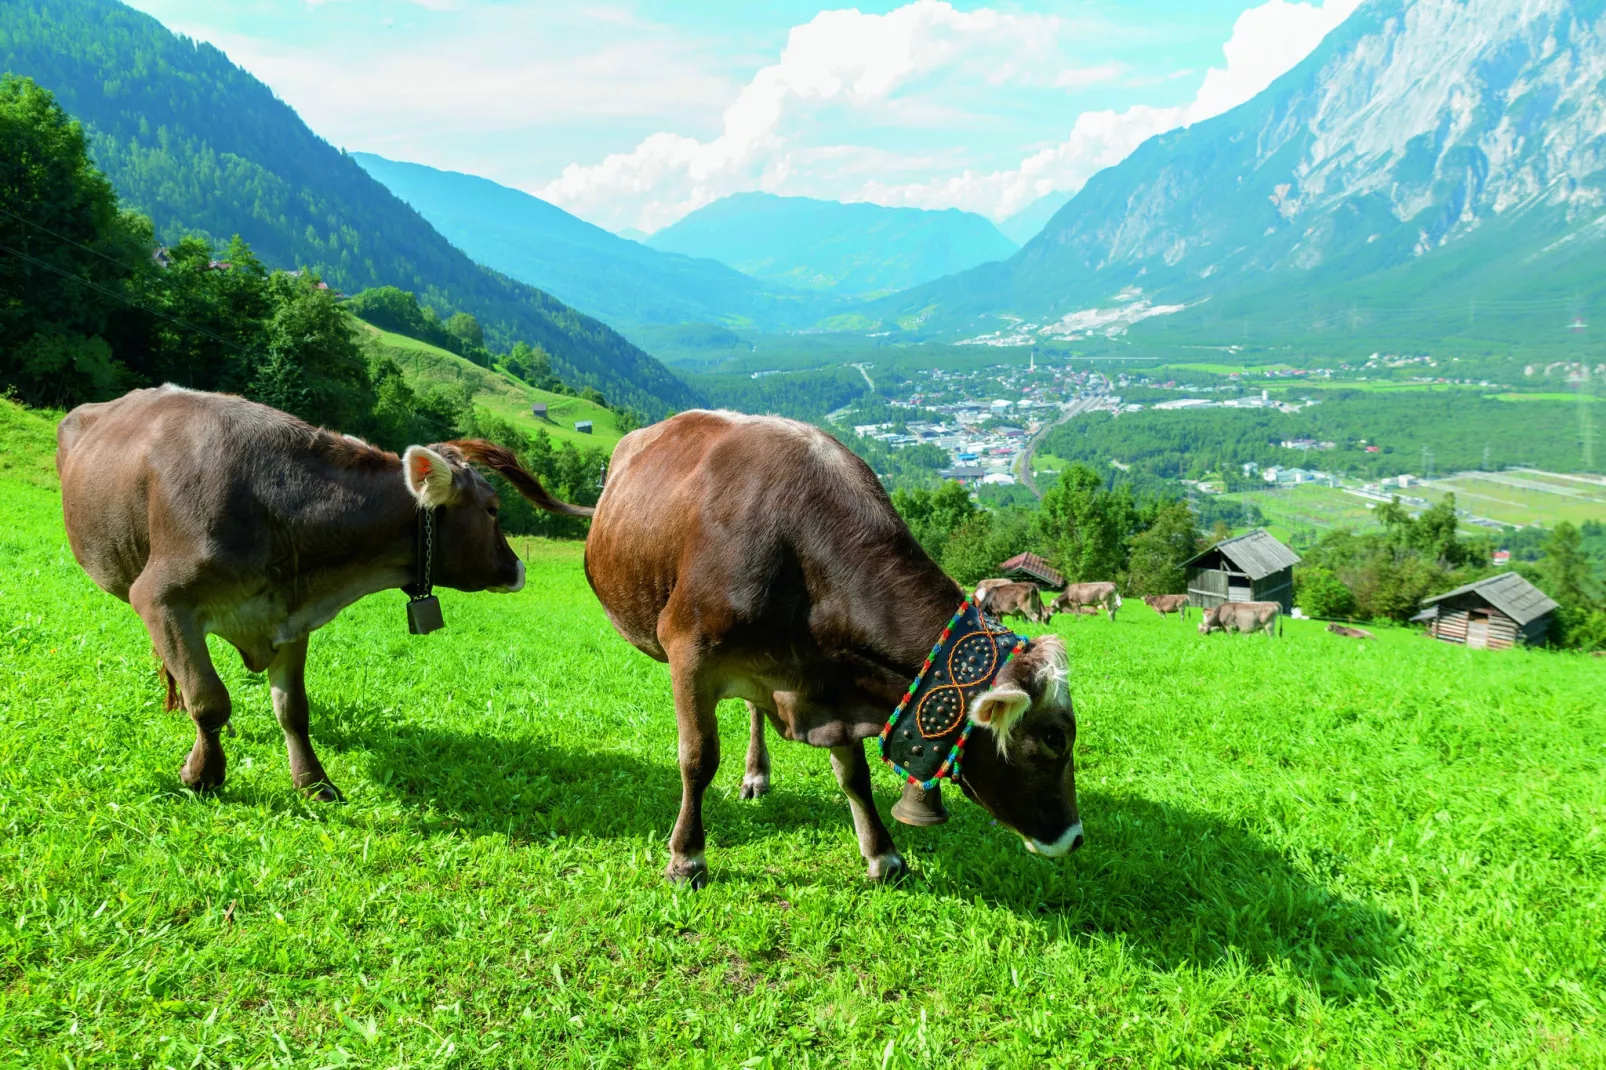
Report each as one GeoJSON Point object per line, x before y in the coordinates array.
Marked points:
{"type": "Point", "coordinates": [1001, 709]}
{"type": "Point", "coordinates": [429, 477]}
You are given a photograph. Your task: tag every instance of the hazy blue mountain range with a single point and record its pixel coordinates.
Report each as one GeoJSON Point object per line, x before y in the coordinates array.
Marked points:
{"type": "Point", "coordinates": [1434, 166]}
{"type": "Point", "coordinates": [1023, 226]}
{"type": "Point", "coordinates": [621, 282]}
{"type": "Point", "coordinates": [848, 249]}
{"type": "Point", "coordinates": [202, 147]}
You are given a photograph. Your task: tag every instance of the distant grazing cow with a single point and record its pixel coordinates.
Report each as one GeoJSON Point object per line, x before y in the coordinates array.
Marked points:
{"type": "Point", "coordinates": [1168, 603]}
{"type": "Point", "coordinates": [1352, 633]}
{"type": "Point", "coordinates": [210, 514]}
{"type": "Point", "coordinates": [1244, 617]}
{"type": "Point", "coordinates": [1014, 600]}
{"type": "Point", "coordinates": [986, 585]}
{"type": "Point", "coordinates": [1077, 595]}
{"type": "Point", "coordinates": [763, 561]}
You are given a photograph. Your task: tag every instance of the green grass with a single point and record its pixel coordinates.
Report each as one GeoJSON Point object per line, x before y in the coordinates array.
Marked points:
{"type": "Point", "coordinates": [1523, 497]}
{"type": "Point", "coordinates": [1308, 509]}
{"type": "Point", "coordinates": [1302, 852]}
{"type": "Point", "coordinates": [497, 392]}
{"type": "Point", "coordinates": [1544, 396]}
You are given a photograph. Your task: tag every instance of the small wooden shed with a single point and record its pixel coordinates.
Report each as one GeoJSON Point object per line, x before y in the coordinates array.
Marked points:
{"type": "Point", "coordinates": [1250, 568]}
{"type": "Point", "coordinates": [583, 426]}
{"type": "Point", "coordinates": [538, 410]}
{"type": "Point", "coordinates": [1031, 569]}
{"type": "Point", "coordinates": [1492, 614]}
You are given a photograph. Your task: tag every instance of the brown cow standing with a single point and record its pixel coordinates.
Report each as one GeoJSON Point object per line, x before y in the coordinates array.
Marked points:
{"type": "Point", "coordinates": [1244, 617]}
{"type": "Point", "coordinates": [763, 561]}
{"type": "Point", "coordinates": [986, 585]}
{"type": "Point", "coordinates": [1014, 600]}
{"type": "Point", "coordinates": [210, 514]}
{"type": "Point", "coordinates": [1101, 595]}
{"type": "Point", "coordinates": [1168, 603]}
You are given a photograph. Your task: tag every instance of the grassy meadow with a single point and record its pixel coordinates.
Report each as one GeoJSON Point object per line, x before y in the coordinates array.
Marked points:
{"type": "Point", "coordinates": [1525, 497]}
{"type": "Point", "coordinates": [498, 393]}
{"type": "Point", "coordinates": [1302, 852]}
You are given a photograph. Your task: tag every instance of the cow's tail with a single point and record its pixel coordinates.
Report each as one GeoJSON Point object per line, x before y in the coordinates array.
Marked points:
{"type": "Point", "coordinates": [504, 464]}
{"type": "Point", "coordinates": [1279, 624]}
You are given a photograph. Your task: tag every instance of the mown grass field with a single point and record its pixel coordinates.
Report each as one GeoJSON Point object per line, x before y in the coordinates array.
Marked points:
{"type": "Point", "coordinates": [1524, 497]}
{"type": "Point", "coordinates": [498, 393]}
{"type": "Point", "coordinates": [1302, 852]}
{"type": "Point", "coordinates": [1308, 510]}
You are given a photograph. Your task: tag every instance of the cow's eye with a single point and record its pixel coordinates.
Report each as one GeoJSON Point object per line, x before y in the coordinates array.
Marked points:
{"type": "Point", "coordinates": [492, 510]}
{"type": "Point", "coordinates": [1054, 740]}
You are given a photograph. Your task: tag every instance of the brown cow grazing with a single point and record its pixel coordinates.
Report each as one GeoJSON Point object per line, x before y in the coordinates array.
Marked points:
{"type": "Point", "coordinates": [763, 561]}
{"type": "Point", "coordinates": [1351, 633]}
{"type": "Point", "coordinates": [986, 585]}
{"type": "Point", "coordinates": [210, 514]}
{"type": "Point", "coordinates": [1102, 595]}
{"type": "Point", "coordinates": [1164, 604]}
{"type": "Point", "coordinates": [1244, 617]}
{"type": "Point", "coordinates": [1014, 600]}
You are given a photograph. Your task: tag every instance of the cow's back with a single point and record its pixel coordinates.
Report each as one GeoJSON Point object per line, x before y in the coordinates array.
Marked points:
{"type": "Point", "coordinates": [743, 520]}
{"type": "Point", "coordinates": [167, 471]}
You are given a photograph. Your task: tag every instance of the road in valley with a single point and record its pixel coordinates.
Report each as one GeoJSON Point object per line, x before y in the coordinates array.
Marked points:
{"type": "Point", "coordinates": [1023, 467]}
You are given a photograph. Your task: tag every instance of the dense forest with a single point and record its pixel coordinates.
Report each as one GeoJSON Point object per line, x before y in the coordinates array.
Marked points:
{"type": "Point", "coordinates": [1462, 430]}
{"type": "Point", "coordinates": [205, 150]}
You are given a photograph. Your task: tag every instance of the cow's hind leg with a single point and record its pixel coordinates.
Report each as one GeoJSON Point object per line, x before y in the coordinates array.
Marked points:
{"type": "Point", "coordinates": [699, 760]}
{"type": "Point", "coordinates": [756, 778]}
{"type": "Point", "coordinates": [875, 842]}
{"type": "Point", "coordinates": [287, 677]}
{"type": "Point", "coordinates": [181, 644]}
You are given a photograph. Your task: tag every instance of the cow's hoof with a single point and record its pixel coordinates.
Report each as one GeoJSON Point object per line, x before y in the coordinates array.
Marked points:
{"type": "Point", "coordinates": [920, 808]}
{"type": "Point", "coordinates": [692, 872]}
{"type": "Point", "coordinates": [755, 784]}
{"type": "Point", "coordinates": [202, 780]}
{"type": "Point", "coordinates": [888, 868]}
{"type": "Point", "coordinates": [323, 791]}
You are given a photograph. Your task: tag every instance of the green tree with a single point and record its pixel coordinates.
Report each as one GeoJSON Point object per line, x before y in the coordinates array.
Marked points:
{"type": "Point", "coordinates": [1158, 552]}
{"type": "Point", "coordinates": [466, 329]}
{"type": "Point", "coordinates": [1086, 526]}
{"type": "Point", "coordinates": [1320, 593]}
{"type": "Point", "coordinates": [70, 257]}
{"type": "Point", "coordinates": [934, 516]}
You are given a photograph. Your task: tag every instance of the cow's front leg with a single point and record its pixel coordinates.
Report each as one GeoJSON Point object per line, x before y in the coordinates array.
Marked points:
{"type": "Point", "coordinates": [875, 842]}
{"type": "Point", "coordinates": [181, 644]}
{"type": "Point", "coordinates": [699, 760]}
{"type": "Point", "coordinates": [756, 778]}
{"type": "Point", "coordinates": [287, 677]}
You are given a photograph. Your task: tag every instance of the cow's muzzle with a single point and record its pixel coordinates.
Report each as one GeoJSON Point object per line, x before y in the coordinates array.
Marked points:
{"type": "Point", "coordinates": [516, 585]}
{"type": "Point", "coordinates": [1070, 840]}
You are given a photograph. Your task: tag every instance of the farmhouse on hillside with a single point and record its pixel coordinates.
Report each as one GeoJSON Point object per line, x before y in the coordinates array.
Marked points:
{"type": "Point", "coordinates": [1031, 569]}
{"type": "Point", "coordinates": [1250, 568]}
{"type": "Point", "coordinates": [1492, 614]}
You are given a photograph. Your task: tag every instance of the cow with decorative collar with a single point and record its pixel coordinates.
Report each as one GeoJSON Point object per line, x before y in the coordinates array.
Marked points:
{"type": "Point", "coordinates": [763, 561]}
{"type": "Point", "coordinates": [212, 514]}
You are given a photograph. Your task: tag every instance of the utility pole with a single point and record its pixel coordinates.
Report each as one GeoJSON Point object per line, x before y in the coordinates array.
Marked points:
{"type": "Point", "coordinates": [1486, 457]}
{"type": "Point", "coordinates": [1427, 462]}
{"type": "Point", "coordinates": [1586, 418]}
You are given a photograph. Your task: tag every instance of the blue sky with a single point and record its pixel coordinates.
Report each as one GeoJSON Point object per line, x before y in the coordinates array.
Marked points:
{"type": "Point", "coordinates": [631, 115]}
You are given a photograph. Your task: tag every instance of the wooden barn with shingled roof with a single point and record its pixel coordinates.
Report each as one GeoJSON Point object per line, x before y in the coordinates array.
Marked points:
{"type": "Point", "coordinates": [1250, 568]}
{"type": "Point", "coordinates": [1491, 614]}
{"type": "Point", "coordinates": [1031, 569]}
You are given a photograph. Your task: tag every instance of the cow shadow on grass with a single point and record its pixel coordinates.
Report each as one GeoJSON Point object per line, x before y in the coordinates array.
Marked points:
{"type": "Point", "coordinates": [1183, 889]}
{"type": "Point", "coordinates": [529, 789]}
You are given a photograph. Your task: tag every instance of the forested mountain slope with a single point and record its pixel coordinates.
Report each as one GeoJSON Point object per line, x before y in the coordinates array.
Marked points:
{"type": "Point", "coordinates": [621, 281]}
{"type": "Point", "coordinates": [858, 249]}
{"type": "Point", "coordinates": [1433, 163]}
{"type": "Point", "coordinates": [202, 147]}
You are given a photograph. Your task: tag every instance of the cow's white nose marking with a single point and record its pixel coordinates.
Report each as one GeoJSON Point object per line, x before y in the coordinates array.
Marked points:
{"type": "Point", "coordinates": [516, 585]}
{"type": "Point", "coordinates": [1068, 841]}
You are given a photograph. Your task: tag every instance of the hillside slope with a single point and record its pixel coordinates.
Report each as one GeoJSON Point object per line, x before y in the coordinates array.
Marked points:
{"type": "Point", "coordinates": [857, 249]}
{"type": "Point", "coordinates": [201, 146]}
{"type": "Point", "coordinates": [1440, 151]}
{"type": "Point", "coordinates": [496, 392]}
{"type": "Point", "coordinates": [620, 281]}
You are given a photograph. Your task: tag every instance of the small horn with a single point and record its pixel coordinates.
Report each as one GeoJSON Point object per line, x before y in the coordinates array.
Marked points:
{"type": "Point", "coordinates": [504, 464]}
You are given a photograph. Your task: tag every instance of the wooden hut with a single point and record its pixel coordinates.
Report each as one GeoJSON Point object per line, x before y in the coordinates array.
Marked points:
{"type": "Point", "coordinates": [583, 426]}
{"type": "Point", "coordinates": [1030, 568]}
{"type": "Point", "coordinates": [1251, 568]}
{"type": "Point", "coordinates": [1492, 614]}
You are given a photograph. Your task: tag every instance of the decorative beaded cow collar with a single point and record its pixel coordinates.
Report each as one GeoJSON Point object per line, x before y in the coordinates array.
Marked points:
{"type": "Point", "coordinates": [924, 739]}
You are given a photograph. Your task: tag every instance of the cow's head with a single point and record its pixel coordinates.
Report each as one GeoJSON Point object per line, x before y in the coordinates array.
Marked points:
{"type": "Point", "coordinates": [471, 553]}
{"type": "Point", "coordinates": [1019, 764]}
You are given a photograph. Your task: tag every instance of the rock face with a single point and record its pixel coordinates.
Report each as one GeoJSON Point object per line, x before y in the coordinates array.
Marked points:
{"type": "Point", "coordinates": [1415, 126]}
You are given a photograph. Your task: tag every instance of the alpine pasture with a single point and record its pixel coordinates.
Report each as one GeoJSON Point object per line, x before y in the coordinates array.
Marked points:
{"type": "Point", "coordinates": [1307, 851]}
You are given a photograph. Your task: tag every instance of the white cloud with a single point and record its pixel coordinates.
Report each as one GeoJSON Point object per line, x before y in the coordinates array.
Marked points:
{"type": "Point", "coordinates": [849, 60]}
{"type": "Point", "coordinates": [1267, 41]}
{"type": "Point", "coordinates": [842, 59]}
